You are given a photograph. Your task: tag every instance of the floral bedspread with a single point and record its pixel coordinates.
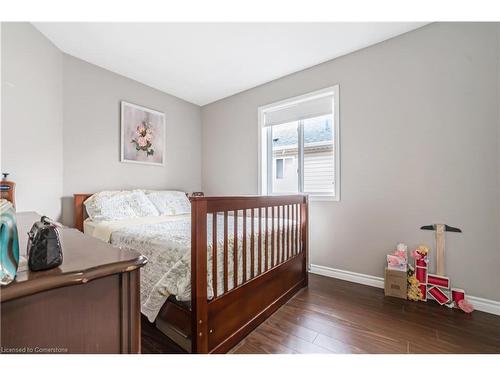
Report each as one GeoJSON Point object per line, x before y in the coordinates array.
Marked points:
{"type": "Point", "coordinates": [167, 246]}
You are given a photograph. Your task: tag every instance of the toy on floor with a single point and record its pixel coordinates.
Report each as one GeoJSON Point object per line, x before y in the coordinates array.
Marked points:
{"type": "Point", "coordinates": [395, 279]}
{"type": "Point", "coordinates": [466, 306]}
{"type": "Point", "coordinates": [398, 260]}
{"type": "Point", "coordinates": [423, 285]}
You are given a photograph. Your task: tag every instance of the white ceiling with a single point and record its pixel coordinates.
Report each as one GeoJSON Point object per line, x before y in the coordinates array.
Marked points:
{"type": "Point", "coordinates": [204, 62]}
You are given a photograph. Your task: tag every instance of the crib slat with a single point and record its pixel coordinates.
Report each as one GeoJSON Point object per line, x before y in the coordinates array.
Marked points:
{"type": "Point", "coordinates": [272, 237]}
{"type": "Point", "coordinates": [266, 245]}
{"type": "Point", "coordinates": [214, 253]}
{"type": "Point", "coordinates": [299, 220]}
{"type": "Point", "coordinates": [292, 230]}
{"type": "Point", "coordinates": [259, 258]}
{"type": "Point", "coordinates": [244, 244]}
{"type": "Point", "coordinates": [226, 260]}
{"type": "Point", "coordinates": [235, 249]}
{"type": "Point", "coordinates": [283, 248]}
{"type": "Point", "coordinates": [295, 229]}
{"type": "Point", "coordinates": [290, 225]}
{"type": "Point", "coordinates": [252, 245]}
{"type": "Point", "coordinates": [296, 225]}
{"type": "Point", "coordinates": [278, 251]}
{"type": "Point", "coordinates": [288, 230]}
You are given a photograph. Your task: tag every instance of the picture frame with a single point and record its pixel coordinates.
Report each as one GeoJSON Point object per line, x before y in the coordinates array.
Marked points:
{"type": "Point", "coordinates": [142, 135]}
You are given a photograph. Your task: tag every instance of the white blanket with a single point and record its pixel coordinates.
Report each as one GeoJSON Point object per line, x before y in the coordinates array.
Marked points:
{"type": "Point", "coordinates": [166, 242]}
{"type": "Point", "coordinates": [104, 229]}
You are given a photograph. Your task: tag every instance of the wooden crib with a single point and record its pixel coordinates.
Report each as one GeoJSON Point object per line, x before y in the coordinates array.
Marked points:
{"type": "Point", "coordinates": [216, 325]}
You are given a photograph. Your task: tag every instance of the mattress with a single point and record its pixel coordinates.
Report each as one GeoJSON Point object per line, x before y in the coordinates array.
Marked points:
{"type": "Point", "coordinates": [166, 242]}
{"type": "Point", "coordinates": [89, 227]}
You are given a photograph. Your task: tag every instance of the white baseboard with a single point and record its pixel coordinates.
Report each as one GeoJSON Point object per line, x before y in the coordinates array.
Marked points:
{"type": "Point", "coordinates": [354, 277]}
{"type": "Point", "coordinates": [480, 304]}
{"type": "Point", "coordinates": [486, 305]}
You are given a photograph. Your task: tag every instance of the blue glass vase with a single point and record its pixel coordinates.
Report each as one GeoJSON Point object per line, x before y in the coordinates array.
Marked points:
{"type": "Point", "coordinates": [9, 243]}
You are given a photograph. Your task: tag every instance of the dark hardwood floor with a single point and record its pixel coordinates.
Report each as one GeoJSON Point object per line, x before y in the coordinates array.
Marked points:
{"type": "Point", "coordinates": [334, 316]}
{"type": "Point", "coordinates": [153, 341]}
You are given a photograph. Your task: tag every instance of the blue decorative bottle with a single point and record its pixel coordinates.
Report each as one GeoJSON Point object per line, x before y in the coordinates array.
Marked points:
{"type": "Point", "coordinates": [9, 243]}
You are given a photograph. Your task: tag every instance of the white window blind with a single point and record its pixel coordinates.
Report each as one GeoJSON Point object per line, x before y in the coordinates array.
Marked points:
{"type": "Point", "coordinates": [315, 107]}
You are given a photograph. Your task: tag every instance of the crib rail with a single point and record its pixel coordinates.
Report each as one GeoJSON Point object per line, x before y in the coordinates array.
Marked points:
{"type": "Point", "coordinates": [251, 251]}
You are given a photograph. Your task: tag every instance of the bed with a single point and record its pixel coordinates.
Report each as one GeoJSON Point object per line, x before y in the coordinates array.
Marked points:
{"type": "Point", "coordinates": [218, 271]}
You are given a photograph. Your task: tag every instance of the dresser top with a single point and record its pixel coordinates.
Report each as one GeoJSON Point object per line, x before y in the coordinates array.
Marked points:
{"type": "Point", "coordinates": [84, 259]}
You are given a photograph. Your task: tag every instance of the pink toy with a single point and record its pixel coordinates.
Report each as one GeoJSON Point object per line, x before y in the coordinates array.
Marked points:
{"type": "Point", "coordinates": [421, 262]}
{"type": "Point", "coordinates": [423, 289]}
{"type": "Point", "coordinates": [400, 252]}
{"type": "Point", "coordinates": [465, 306]}
{"type": "Point", "coordinates": [437, 280]}
{"type": "Point", "coordinates": [457, 295]}
{"type": "Point", "coordinates": [398, 260]}
{"type": "Point", "coordinates": [420, 253]}
{"type": "Point", "coordinates": [393, 260]}
{"type": "Point", "coordinates": [438, 295]}
{"type": "Point", "coordinates": [421, 274]}
{"type": "Point", "coordinates": [396, 263]}
{"type": "Point", "coordinates": [437, 287]}
{"type": "Point", "coordinates": [416, 255]}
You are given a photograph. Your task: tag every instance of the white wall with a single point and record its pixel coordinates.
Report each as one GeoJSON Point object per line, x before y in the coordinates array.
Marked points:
{"type": "Point", "coordinates": [92, 98]}
{"type": "Point", "coordinates": [31, 140]}
{"type": "Point", "coordinates": [1, 85]}
{"type": "Point", "coordinates": [43, 88]}
{"type": "Point", "coordinates": [419, 143]}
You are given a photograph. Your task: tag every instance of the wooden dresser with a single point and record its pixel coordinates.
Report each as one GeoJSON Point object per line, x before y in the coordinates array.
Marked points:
{"type": "Point", "coordinates": [90, 304]}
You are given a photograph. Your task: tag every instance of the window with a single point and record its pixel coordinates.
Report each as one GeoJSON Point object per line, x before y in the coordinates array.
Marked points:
{"type": "Point", "coordinates": [299, 146]}
{"type": "Point", "coordinates": [279, 169]}
{"type": "Point", "coordinates": [284, 168]}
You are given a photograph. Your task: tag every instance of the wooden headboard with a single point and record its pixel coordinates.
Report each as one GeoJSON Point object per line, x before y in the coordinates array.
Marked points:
{"type": "Point", "coordinates": [79, 208]}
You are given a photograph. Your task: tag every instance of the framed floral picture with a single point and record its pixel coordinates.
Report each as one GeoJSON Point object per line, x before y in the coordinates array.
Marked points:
{"type": "Point", "coordinates": [142, 135]}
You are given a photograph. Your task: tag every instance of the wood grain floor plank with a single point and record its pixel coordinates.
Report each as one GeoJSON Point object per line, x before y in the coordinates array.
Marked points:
{"type": "Point", "coordinates": [365, 339]}
{"type": "Point", "coordinates": [336, 346]}
{"type": "Point", "coordinates": [290, 341]}
{"type": "Point", "coordinates": [247, 348]}
{"type": "Point", "coordinates": [287, 325]}
{"type": "Point", "coordinates": [271, 345]}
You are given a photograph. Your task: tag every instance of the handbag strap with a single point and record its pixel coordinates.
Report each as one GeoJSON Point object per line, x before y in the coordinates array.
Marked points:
{"type": "Point", "coordinates": [48, 221]}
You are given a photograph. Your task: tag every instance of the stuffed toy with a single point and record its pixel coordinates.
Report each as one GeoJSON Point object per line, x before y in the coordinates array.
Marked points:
{"type": "Point", "coordinates": [401, 250]}
{"type": "Point", "coordinates": [420, 252]}
{"type": "Point", "coordinates": [398, 260]}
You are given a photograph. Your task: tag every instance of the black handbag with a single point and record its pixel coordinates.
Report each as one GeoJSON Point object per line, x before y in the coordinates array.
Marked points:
{"type": "Point", "coordinates": [44, 245]}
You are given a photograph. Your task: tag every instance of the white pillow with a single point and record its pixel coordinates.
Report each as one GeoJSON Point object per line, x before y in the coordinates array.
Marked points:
{"type": "Point", "coordinates": [170, 202]}
{"type": "Point", "coordinates": [119, 205]}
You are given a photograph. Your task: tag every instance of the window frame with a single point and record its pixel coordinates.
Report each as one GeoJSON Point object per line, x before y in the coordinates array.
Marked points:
{"type": "Point", "coordinates": [265, 146]}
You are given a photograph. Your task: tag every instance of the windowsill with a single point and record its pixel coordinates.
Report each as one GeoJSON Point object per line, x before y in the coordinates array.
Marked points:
{"type": "Point", "coordinates": [323, 198]}
{"type": "Point", "coordinates": [312, 197]}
